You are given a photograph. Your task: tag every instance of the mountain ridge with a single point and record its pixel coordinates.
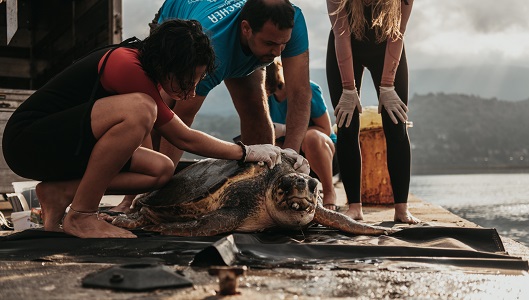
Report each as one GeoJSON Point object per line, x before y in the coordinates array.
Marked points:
{"type": "Point", "coordinates": [509, 83]}
{"type": "Point", "coordinates": [451, 133]}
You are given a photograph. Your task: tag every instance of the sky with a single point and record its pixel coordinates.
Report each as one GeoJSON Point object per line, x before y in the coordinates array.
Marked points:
{"type": "Point", "coordinates": [440, 33]}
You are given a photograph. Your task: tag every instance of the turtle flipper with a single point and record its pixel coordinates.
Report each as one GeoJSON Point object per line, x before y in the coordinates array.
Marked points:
{"type": "Point", "coordinates": [217, 222]}
{"type": "Point", "coordinates": [130, 221]}
{"type": "Point", "coordinates": [333, 219]}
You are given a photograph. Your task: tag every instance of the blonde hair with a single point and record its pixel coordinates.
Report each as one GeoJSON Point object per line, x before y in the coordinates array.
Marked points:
{"type": "Point", "coordinates": [386, 17]}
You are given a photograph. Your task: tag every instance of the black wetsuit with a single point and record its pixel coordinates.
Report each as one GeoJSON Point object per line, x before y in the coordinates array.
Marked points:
{"type": "Point", "coordinates": [49, 137]}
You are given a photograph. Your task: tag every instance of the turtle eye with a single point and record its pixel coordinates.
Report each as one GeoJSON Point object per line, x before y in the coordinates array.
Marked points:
{"type": "Point", "coordinates": [313, 184]}
{"type": "Point", "coordinates": [286, 183]}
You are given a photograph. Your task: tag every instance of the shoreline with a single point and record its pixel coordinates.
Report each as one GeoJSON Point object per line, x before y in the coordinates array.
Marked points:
{"type": "Point", "coordinates": [467, 170]}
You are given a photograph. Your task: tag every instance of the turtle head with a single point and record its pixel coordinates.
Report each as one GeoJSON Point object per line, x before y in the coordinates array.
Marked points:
{"type": "Point", "coordinates": [294, 199]}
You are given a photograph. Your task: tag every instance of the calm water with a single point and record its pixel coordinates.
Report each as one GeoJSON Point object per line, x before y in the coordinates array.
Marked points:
{"type": "Point", "coordinates": [498, 201]}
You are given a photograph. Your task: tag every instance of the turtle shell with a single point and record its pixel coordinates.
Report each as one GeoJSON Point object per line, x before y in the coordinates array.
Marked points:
{"type": "Point", "coordinates": [195, 183]}
{"type": "Point", "coordinates": [207, 186]}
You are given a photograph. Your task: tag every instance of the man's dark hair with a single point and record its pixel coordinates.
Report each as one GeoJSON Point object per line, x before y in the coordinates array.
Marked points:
{"type": "Point", "coordinates": [257, 12]}
{"type": "Point", "coordinates": [177, 47]}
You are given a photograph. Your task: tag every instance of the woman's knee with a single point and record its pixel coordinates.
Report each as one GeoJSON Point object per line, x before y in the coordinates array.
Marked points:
{"type": "Point", "coordinates": [136, 111]}
{"type": "Point", "coordinates": [312, 139]}
{"type": "Point", "coordinates": [165, 171]}
{"type": "Point", "coordinates": [142, 107]}
{"type": "Point", "coordinates": [157, 168]}
{"type": "Point", "coordinates": [396, 133]}
{"type": "Point", "coordinates": [316, 141]}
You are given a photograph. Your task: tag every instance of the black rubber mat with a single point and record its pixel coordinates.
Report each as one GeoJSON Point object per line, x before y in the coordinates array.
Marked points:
{"type": "Point", "coordinates": [463, 247]}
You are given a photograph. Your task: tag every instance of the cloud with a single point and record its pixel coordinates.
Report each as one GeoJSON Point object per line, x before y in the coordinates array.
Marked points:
{"type": "Point", "coordinates": [471, 32]}
{"type": "Point", "coordinates": [318, 26]}
{"type": "Point", "coordinates": [137, 14]}
{"type": "Point", "coordinates": [482, 16]}
{"type": "Point", "coordinates": [440, 33]}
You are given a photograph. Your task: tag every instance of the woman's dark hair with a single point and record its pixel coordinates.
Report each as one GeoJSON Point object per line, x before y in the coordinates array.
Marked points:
{"type": "Point", "coordinates": [176, 48]}
{"type": "Point", "coordinates": [257, 12]}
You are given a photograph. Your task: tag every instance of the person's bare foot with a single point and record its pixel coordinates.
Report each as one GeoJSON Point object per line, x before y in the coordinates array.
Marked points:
{"type": "Point", "coordinates": [90, 226]}
{"type": "Point", "coordinates": [54, 198]}
{"type": "Point", "coordinates": [125, 205]}
{"type": "Point", "coordinates": [355, 211]}
{"type": "Point", "coordinates": [403, 215]}
{"type": "Point", "coordinates": [329, 200]}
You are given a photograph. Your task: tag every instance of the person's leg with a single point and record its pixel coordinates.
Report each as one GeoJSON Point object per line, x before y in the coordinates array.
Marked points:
{"type": "Point", "coordinates": [125, 205]}
{"type": "Point", "coordinates": [399, 153]}
{"type": "Point", "coordinates": [148, 170]}
{"type": "Point", "coordinates": [348, 145]}
{"type": "Point", "coordinates": [118, 135]}
{"type": "Point", "coordinates": [248, 95]}
{"type": "Point", "coordinates": [398, 147]}
{"type": "Point", "coordinates": [319, 151]}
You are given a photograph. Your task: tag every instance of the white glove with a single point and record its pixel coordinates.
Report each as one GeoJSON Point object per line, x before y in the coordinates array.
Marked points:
{"type": "Point", "coordinates": [267, 153]}
{"type": "Point", "coordinates": [346, 107]}
{"type": "Point", "coordinates": [302, 164]}
{"type": "Point", "coordinates": [280, 130]}
{"type": "Point", "coordinates": [392, 103]}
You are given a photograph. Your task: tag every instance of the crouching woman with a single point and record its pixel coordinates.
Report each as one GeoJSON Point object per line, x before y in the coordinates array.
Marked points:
{"type": "Point", "coordinates": [81, 134]}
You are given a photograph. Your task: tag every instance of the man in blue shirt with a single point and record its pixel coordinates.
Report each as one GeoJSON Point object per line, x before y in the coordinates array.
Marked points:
{"type": "Point", "coordinates": [247, 35]}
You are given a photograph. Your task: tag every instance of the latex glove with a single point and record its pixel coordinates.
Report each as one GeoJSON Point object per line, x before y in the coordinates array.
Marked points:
{"type": "Point", "coordinates": [345, 109]}
{"type": "Point", "coordinates": [280, 130]}
{"type": "Point", "coordinates": [302, 164]}
{"type": "Point", "coordinates": [267, 153]}
{"type": "Point", "coordinates": [393, 105]}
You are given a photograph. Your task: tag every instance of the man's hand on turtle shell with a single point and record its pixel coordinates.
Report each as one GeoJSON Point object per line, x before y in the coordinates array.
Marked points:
{"type": "Point", "coordinates": [267, 153]}
{"type": "Point", "coordinates": [302, 164]}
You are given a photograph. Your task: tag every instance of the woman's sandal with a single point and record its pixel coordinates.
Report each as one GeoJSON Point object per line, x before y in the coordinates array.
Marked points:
{"type": "Point", "coordinates": [331, 206]}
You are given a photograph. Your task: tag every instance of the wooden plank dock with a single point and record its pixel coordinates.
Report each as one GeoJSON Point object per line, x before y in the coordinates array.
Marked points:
{"type": "Point", "coordinates": [56, 280]}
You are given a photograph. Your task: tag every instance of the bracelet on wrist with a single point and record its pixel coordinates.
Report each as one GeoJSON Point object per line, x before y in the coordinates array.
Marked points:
{"type": "Point", "coordinates": [243, 158]}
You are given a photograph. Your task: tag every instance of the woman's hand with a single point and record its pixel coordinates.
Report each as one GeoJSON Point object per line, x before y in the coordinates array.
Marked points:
{"type": "Point", "coordinates": [349, 101]}
{"type": "Point", "coordinates": [393, 105]}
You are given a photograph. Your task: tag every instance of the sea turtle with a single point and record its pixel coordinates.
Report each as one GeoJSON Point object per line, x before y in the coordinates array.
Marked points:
{"type": "Point", "coordinates": [215, 196]}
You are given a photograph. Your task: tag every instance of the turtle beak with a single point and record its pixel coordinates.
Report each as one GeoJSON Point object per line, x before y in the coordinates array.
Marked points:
{"type": "Point", "coordinates": [300, 205]}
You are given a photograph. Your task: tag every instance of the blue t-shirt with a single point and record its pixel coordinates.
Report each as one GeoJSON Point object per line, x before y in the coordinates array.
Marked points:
{"type": "Point", "coordinates": [278, 110]}
{"type": "Point", "coordinates": [220, 22]}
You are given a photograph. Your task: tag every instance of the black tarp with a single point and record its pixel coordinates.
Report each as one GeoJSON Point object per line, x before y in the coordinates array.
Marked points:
{"type": "Point", "coordinates": [314, 247]}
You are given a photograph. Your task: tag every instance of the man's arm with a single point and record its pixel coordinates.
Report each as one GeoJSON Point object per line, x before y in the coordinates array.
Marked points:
{"type": "Point", "coordinates": [249, 97]}
{"type": "Point", "coordinates": [296, 72]}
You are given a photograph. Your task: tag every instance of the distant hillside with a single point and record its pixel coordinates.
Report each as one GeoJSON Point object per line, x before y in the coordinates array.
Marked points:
{"type": "Point", "coordinates": [501, 82]}
{"type": "Point", "coordinates": [451, 133]}
{"type": "Point", "coordinates": [461, 132]}
{"type": "Point", "coordinates": [504, 83]}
